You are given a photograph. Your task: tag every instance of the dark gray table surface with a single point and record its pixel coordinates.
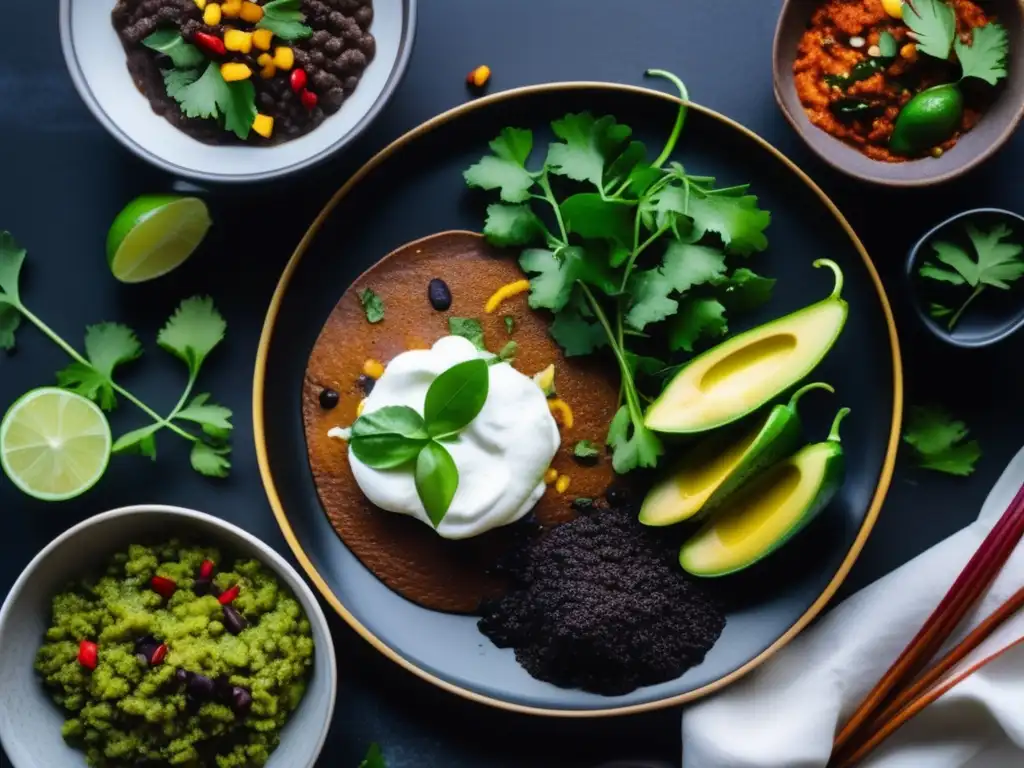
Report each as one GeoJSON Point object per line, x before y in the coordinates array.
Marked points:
{"type": "Point", "coordinates": [64, 179]}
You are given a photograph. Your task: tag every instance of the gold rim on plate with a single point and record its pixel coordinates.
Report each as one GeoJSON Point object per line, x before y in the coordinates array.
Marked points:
{"type": "Point", "coordinates": [321, 584]}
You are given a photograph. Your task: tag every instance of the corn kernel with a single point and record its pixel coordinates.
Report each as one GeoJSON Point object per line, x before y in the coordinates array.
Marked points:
{"type": "Point", "coordinates": [265, 60]}
{"type": "Point", "coordinates": [237, 40]}
{"type": "Point", "coordinates": [506, 292]}
{"type": "Point", "coordinates": [562, 484]}
{"type": "Point", "coordinates": [478, 77]}
{"type": "Point", "coordinates": [264, 126]}
{"type": "Point", "coordinates": [373, 369]}
{"type": "Point", "coordinates": [262, 39]}
{"type": "Point", "coordinates": [550, 476]}
{"type": "Point", "coordinates": [562, 412]}
{"type": "Point", "coordinates": [251, 12]}
{"type": "Point", "coordinates": [212, 14]}
{"type": "Point", "coordinates": [268, 71]}
{"type": "Point", "coordinates": [938, 151]}
{"type": "Point", "coordinates": [284, 57]}
{"type": "Point", "coordinates": [893, 7]}
{"type": "Point", "coordinates": [234, 71]}
{"type": "Point", "coordinates": [201, 4]}
{"type": "Point", "coordinates": [909, 52]}
{"type": "Point", "coordinates": [232, 9]}
{"type": "Point", "coordinates": [360, 407]}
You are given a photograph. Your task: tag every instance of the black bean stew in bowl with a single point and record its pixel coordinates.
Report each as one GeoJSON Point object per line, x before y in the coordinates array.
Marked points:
{"type": "Point", "coordinates": [258, 72]}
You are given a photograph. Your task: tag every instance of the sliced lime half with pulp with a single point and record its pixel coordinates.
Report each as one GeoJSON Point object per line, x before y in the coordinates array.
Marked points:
{"type": "Point", "coordinates": [154, 234]}
{"type": "Point", "coordinates": [54, 444]}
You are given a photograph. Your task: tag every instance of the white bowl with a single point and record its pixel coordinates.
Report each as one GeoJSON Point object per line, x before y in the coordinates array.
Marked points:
{"type": "Point", "coordinates": [96, 60]}
{"type": "Point", "coordinates": [29, 720]}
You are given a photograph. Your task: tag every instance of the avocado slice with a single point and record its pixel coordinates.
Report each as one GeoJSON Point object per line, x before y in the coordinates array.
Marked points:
{"type": "Point", "coordinates": [743, 373]}
{"type": "Point", "coordinates": [767, 512]}
{"type": "Point", "coordinates": [718, 466]}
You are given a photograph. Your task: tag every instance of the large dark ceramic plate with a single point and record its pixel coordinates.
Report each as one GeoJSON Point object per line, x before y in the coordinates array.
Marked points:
{"type": "Point", "coordinates": [414, 188]}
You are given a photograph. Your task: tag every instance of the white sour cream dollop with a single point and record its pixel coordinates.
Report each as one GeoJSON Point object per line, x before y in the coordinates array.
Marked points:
{"type": "Point", "coordinates": [501, 456]}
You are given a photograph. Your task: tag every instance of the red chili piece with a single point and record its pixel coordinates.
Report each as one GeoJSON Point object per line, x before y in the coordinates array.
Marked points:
{"type": "Point", "coordinates": [298, 80]}
{"type": "Point", "coordinates": [88, 654]}
{"type": "Point", "coordinates": [308, 99]}
{"type": "Point", "coordinates": [163, 586]}
{"type": "Point", "coordinates": [228, 595]}
{"type": "Point", "coordinates": [212, 44]}
{"type": "Point", "coordinates": [158, 654]}
{"type": "Point", "coordinates": [206, 569]}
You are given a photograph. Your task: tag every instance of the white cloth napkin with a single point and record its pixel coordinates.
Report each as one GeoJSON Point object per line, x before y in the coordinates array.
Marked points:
{"type": "Point", "coordinates": [785, 714]}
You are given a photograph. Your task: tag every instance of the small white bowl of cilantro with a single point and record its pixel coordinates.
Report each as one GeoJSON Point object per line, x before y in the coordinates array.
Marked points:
{"type": "Point", "coordinates": [236, 91]}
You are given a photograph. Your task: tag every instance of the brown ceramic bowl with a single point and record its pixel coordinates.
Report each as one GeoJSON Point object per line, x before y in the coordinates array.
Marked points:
{"type": "Point", "coordinates": [995, 128]}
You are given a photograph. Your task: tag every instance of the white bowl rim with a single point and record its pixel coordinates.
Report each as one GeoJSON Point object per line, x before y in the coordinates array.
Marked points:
{"type": "Point", "coordinates": [86, 94]}
{"type": "Point", "coordinates": [272, 557]}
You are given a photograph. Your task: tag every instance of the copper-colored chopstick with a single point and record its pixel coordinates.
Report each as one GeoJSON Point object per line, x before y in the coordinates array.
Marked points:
{"type": "Point", "coordinates": [915, 706]}
{"type": "Point", "coordinates": [966, 590]}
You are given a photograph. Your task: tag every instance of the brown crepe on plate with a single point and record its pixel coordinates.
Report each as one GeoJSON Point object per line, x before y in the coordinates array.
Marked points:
{"type": "Point", "coordinates": [405, 554]}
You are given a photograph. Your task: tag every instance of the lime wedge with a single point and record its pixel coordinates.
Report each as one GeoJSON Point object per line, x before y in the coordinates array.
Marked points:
{"type": "Point", "coordinates": [154, 234]}
{"type": "Point", "coordinates": [54, 444]}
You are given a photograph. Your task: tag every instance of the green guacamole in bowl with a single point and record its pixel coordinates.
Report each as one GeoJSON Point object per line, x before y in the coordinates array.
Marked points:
{"type": "Point", "coordinates": [176, 655]}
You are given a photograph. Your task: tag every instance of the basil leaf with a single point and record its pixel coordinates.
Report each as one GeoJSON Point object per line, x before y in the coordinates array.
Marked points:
{"type": "Point", "coordinates": [456, 397]}
{"type": "Point", "coordinates": [437, 479]}
{"type": "Point", "coordinates": [388, 437]}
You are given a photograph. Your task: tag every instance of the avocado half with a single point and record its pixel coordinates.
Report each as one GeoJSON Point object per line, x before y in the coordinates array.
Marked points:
{"type": "Point", "coordinates": [743, 373]}
{"type": "Point", "coordinates": [767, 512]}
{"type": "Point", "coordinates": [706, 476]}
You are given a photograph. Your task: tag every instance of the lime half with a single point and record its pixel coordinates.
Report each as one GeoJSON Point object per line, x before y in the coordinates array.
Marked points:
{"type": "Point", "coordinates": [54, 444]}
{"type": "Point", "coordinates": [154, 234]}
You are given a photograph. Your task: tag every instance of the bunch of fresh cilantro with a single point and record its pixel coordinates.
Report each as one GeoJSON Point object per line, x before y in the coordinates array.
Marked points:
{"type": "Point", "coordinates": [191, 334]}
{"type": "Point", "coordinates": [630, 253]}
{"type": "Point", "coordinates": [999, 263]}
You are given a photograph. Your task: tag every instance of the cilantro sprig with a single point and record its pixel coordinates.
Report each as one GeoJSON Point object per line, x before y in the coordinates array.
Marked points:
{"type": "Point", "coordinates": [630, 245]}
{"type": "Point", "coordinates": [939, 441]}
{"type": "Point", "coordinates": [191, 334]}
{"type": "Point", "coordinates": [209, 95]}
{"type": "Point", "coordinates": [933, 25]}
{"type": "Point", "coordinates": [285, 19]}
{"type": "Point", "coordinates": [999, 263]}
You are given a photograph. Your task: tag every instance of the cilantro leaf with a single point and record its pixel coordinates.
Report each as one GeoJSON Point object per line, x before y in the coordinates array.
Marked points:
{"type": "Point", "coordinates": [170, 43]}
{"type": "Point", "coordinates": [210, 460]}
{"type": "Point", "coordinates": [507, 354]}
{"type": "Point", "coordinates": [512, 225]}
{"type": "Point", "coordinates": [933, 23]}
{"type": "Point", "coordinates": [622, 168]}
{"type": "Point", "coordinates": [939, 311]}
{"type": "Point", "coordinates": [195, 328]}
{"type": "Point", "coordinates": [649, 292]}
{"type": "Point", "coordinates": [633, 445]}
{"type": "Point", "coordinates": [585, 449]}
{"type": "Point", "coordinates": [239, 107]}
{"type": "Point", "coordinates": [686, 265]}
{"type": "Point", "coordinates": [10, 319]}
{"type": "Point", "coordinates": [140, 442]}
{"type": "Point", "coordinates": [285, 19]}
{"type": "Point", "coordinates": [939, 441]}
{"type": "Point", "coordinates": [505, 170]}
{"type": "Point", "coordinates": [373, 305]}
{"type": "Point", "coordinates": [467, 328]}
{"type": "Point", "coordinates": [576, 331]}
{"type": "Point", "coordinates": [555, 275]}
{"type": "Point", "coordinates": [176, 80]}
{"type": "Point", "coordinates": [374, 758]}
{"type": "Point", "coordinates": [591, 216]}
{"type": "Point", "coordinates": [746, 290]}
{"type": "Point", "coordinates": [737, 220]}
{"type": "Point", "coordinates": [214, 419]}
{"type": "Point", "coordinates": [12, 256]}
{"type": "Point", "coordinates": [107, 345]}
{"type": "Point", "coordinates": [586, 147]}
{"type": "Point", "coordinates": [697, 317]}
{"type": "Point", "coordinates": [985, 57]}
{"type": "Point", "coordinates": [888, 48]}
{"type": "Point", "coordinates": [201, 97]}
{"type": "Point", "coordinates": [510, 324]}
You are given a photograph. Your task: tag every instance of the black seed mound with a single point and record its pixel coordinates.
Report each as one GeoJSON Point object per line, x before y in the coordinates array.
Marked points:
{"type": "Point", "coordinates": [600, 603]}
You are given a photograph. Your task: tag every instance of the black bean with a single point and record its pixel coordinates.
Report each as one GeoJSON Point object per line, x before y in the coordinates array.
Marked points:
{"type": "Point", "coordinates": [439, 294]}
{"type": "Point", "coordinates": [328, 399]}
{"type": "Point", "coordinates": [200, 687]}
{"type": "Point", "coordinates": [223, 689]}
{"type": "Point", "coordinates": [182, 675]}
{"type": "Point", "coordinates": [317, 59]}
{"type": "Point", "coordinates": [319, 38]}
{"type": "Point", "coordinates": [364, 16]}
{"type": "Point", "coordinates": [337, 20]}
{"type": "Point", "coordinates": [368, 45]}
{"type": "Point", "coordinates": [366, 383]}
{"type": "Point", "coordinates": [241, 700]}
{"type": "Point", "coordinates": [146, 644]}
{"type": "Point", "coordinates": [334, 46]}
{"type": "Point", "coordinates": [617, 495]}
{"type": "Point", "coordinates": [201, 586]}
{"type": "Point", "coordinates": [233, 620]}
{"type": "Point", "coordinates": [332, 100]}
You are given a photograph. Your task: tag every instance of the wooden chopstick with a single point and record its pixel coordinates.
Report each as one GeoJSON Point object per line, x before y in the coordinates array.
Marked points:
{"type": "Point", "coordinates": [931, 695]}
{"type": "Point", "coordinates": [968, 587]}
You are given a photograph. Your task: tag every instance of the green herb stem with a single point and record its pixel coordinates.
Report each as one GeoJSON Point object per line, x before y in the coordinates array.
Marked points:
{"type": "Point", "coordinates": [677, 129]}
{"type": "Point", "coordinates": [627, 379]}
{"type": "Point", "coordinates": [545, 184]}
{"type": "Point", "coordinates": [956, 315]}
{"type": "Point", "coordinates": [78, 358]}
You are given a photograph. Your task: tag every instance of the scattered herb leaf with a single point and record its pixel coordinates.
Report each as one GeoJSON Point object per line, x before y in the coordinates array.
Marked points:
{"type": "Point", "coordinates": [285, 19]}
{"type": "Point", "coordinates": [210, 460]}
{"type": "Point", "coordinates": [939, 311]}
{"type": "Point", "coordinates": [172, 45]}
{"type": "Point", "coordinates": [467, 328]}
{"type": "Point", "coordinates": [985, 57]}
{"type": "Point", "coordinates": [585, 449]}
{"type": "Point", "coordinates": [374, 758]}
{"type": "Point", "coordinates": [510, 324]}
{"type": "Point", "coordinates": [507, 354]}
{"type": "Point", "coordinates": [933, 23]}
{"type": "Point", "coordinates": [373, 306]}
{"type": "Point", "coordinates": [939, 441]}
